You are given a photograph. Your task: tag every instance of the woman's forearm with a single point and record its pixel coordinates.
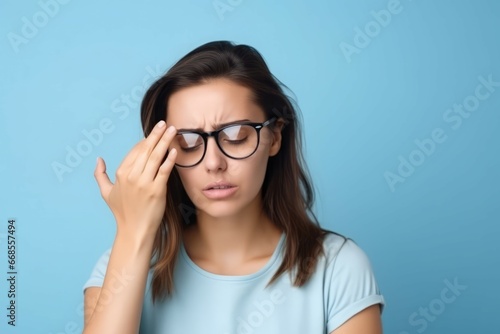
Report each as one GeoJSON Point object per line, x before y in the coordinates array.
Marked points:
{"type": "Point", "coordinates": [119, 305]}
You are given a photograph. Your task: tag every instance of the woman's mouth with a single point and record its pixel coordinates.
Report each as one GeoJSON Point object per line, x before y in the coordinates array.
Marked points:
{"type": "Point", "coordinates": [219, 190]}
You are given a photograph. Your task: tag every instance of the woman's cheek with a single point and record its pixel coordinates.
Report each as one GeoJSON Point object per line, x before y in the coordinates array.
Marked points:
{"type": "Point", "coordinates": [191, 189]}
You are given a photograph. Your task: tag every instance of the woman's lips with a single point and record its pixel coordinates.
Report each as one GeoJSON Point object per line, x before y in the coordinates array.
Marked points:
{"type": "Point", "coordinates": [220, 192]}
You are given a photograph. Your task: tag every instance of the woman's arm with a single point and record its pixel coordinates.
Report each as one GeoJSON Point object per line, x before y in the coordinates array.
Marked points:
{"type": "Point", "coordinates": [138, 201]}
{"type": "Point", "coordinates": [367, 322]}
{"type": "Point", "coordinates": [119, 302]}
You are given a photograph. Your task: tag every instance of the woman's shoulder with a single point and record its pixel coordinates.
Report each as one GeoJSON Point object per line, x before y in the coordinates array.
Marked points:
{"type": "Point", "coordinates": [349, 280]}
{"type": "Point", "coordinates": [340, 250]}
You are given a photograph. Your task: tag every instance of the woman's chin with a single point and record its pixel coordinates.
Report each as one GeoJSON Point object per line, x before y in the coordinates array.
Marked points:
{"type": "Point", "coordinates": [220, 211]}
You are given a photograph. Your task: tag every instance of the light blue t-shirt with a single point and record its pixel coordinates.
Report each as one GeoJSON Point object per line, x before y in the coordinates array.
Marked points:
{"type": "Point", "coordinates": [342, 285]}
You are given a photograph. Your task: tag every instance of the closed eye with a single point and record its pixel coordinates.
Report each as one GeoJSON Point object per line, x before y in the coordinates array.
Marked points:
{"type": "Point", "coordinates": [190, 149]}
{"type": "Point", "coordinates": [236, 142]}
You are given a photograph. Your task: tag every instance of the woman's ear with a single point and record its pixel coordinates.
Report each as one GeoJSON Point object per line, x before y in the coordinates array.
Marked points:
{"type": "Point", "coordinates": [275, 146]}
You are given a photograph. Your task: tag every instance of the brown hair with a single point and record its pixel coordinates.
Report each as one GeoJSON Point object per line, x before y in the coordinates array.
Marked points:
{"type": "Point", "coordinates": [287, 191]}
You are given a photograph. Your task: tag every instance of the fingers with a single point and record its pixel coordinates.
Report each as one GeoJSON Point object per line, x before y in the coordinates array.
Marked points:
{"type": "Point", "coordinates": [102, 178]}
{"type": "Point", "coordinates": [147, 148]}
{"type": "Point", "coordinates": [165, 169]}
{"type": "Point", "coordinates": [158, 154]}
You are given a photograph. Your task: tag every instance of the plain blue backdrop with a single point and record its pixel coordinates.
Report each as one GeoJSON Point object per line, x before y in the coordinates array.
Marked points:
{"type": "Point", "coordinates": [400, 104]}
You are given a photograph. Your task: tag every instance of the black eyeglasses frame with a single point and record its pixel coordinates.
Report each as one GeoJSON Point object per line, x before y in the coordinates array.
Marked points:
{"type": "Point", "coordinates": [215, 134]}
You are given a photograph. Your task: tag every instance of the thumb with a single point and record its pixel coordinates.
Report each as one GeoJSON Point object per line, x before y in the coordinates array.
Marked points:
{"type": "Point", "coordinates": [102, 178]}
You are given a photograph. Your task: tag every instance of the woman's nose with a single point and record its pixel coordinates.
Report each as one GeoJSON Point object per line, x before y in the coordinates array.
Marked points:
{"type": "Point", "coordinates": [214, 158]}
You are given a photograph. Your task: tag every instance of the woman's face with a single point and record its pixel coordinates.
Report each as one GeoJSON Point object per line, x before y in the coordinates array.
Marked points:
{"type": "Point", "coordinates": [204, 106]}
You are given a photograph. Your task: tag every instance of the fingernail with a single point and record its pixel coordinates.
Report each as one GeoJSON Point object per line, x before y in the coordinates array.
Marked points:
{"type": "Point", "coordinates": [161, 124]}
{"type": "Point", "coordinates": [171, 129]}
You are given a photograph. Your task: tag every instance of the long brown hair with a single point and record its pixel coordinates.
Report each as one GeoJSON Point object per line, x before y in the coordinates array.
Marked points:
{"type": "Point", "coordinates": [287, 192]}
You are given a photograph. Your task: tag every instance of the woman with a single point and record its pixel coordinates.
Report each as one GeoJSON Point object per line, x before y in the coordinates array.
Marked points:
{"type": "Point", "coordinates": [215, 232]}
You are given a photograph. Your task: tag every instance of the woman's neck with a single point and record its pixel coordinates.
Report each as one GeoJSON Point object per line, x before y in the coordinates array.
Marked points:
{"type": "Point", "coordinates": [232, 240]}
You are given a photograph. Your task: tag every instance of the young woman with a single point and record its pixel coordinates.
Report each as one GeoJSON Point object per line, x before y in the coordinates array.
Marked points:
{"type": "Point", "coordinates": [215, 232]}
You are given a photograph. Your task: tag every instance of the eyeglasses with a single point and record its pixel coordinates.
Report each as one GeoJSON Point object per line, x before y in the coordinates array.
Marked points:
{"type": "Point", "coordinates": [236, 141]}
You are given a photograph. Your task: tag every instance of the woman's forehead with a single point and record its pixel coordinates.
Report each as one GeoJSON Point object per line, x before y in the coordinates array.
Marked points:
{"type": "Point", "coordinates": [209, 105]}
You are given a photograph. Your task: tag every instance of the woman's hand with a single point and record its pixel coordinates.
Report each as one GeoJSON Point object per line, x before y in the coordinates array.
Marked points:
{"type": "Point", "coordinates": [138, 197]}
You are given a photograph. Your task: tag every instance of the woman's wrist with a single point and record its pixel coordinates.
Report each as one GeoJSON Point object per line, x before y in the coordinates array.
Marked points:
{"type": "Point", "coordinates": [135, 240]}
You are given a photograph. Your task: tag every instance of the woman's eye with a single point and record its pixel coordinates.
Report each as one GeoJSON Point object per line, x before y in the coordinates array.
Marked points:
{"type": "Point", "coordinates": [190, 149]}
{"type": "Point", "coordinates": [235, 141]}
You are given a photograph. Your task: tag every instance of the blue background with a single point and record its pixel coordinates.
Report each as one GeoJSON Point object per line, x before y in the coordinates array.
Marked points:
{"type": "Point", "coordinates": [361, 112]}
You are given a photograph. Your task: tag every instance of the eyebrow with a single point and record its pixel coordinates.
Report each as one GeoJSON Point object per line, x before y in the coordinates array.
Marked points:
{"type": "Point", "coordinates": [216, 126]}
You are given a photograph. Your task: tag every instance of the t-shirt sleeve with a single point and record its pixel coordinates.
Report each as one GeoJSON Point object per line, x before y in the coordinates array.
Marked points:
{"type": "Point", "coordinates": [350, 285]}
{"type": "Point", "coordinates": [97, 275]}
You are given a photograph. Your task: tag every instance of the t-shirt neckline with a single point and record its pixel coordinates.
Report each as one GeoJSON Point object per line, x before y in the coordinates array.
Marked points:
{"type": "Point", "coordinates": [260, 272]}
